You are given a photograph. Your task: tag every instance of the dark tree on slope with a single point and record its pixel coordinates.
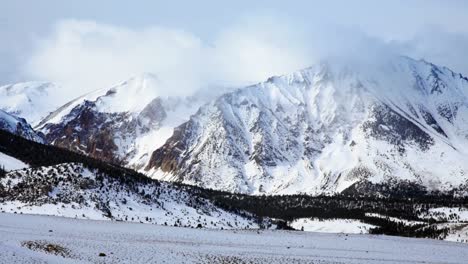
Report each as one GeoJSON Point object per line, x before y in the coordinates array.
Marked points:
{"type": "Point", "coordinates": [2, 171]}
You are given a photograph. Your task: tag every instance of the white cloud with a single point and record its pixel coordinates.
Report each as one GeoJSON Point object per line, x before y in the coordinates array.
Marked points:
{"type": "Point", "coordinates": [256, 49]}
{"type": "Point", "coordinates": [439, 46]}
{"type": "Point", "coordinates": [85, 55]}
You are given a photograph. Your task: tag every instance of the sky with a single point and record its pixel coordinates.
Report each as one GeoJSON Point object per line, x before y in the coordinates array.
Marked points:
{"type": "Point", "coordinates": [85, 45]}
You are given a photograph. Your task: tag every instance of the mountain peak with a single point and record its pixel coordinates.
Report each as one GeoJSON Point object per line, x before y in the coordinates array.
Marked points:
{"type": "Point", "coordinates": [31, 100]}
{"type": "Point", "coordinates": [325, 128]}
{"type": "Point", "coordinates": [131, 95]}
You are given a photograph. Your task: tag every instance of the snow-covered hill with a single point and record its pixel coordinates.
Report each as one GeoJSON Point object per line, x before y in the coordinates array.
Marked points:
{"type": "Point", "coordinates": [75, 190]}
{"type": "Point", "coordinates": [32, 101]}
{"type": "Point", "coordinates": [122, 124]}
{"type": "Point", "coordinates": [18, 126]}
{"type": "Point", "coordinates": [325, 128]}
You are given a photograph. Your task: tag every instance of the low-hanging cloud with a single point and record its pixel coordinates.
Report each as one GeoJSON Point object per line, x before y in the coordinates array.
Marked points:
{"type": "Point", "coordinates": [85, 55]}
{"type": "Point", "coordinates": [438, 46]}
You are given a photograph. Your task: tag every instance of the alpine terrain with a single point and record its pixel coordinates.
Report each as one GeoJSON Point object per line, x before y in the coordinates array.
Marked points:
{"type": "Point", "coordinates": [123, 124]}
{"type": "Point", "coordinates": [30, 100]}
{"type": "Point", "coordinates": [338, 147]}
{"type": "Point", "coordinates": [19, 126]}
{"type": "Point", "coordinates": [326, 129]}
{"type": "Point", "coordinates": [41, 179]}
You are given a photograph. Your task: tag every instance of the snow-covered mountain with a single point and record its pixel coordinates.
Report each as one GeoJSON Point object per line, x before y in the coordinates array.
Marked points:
{"type": "Point", "coordinates": [32, 101]}
{"type": "Point", "coordinates": [325, 128]}
{"type": "Point", "coordinates": [123, 124]}
{"type": "Point", "coordinates": [318, 130]}
{"type": "Point", "coordinates": [18, 126]}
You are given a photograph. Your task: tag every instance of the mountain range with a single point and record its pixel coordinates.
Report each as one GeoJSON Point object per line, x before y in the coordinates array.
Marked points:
{"type": "Point", "coordinates": [322, 130]}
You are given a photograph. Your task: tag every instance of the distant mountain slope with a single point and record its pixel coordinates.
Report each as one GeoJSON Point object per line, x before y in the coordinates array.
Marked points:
{"type": "Point", "coordinates": [32, 101]}
{"type": "Point", "coordinates": [18, 126]}
{"type": "Point", "coordinates": [326, 128]}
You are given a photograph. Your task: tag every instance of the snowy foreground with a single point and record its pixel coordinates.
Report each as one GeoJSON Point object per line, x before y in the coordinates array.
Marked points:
{"type": "Point", "coordinates": [27, 238]}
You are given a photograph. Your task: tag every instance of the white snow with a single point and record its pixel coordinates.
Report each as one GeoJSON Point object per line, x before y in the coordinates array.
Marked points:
{"type": "Point", "coordinates": [140, 243]}
{"type": "Point", "coordinates": [18, 126]}
{"type": "Point", "coordinates": [394, 219]}
{"type": "Point", "coordinates": [350, 226]}
{"type": "Point", "coordinates": [451, 214]}
{"type": "Point", "coordinates": [10, 163]}
{"type": "Point", "coordinates": [164, 205]}
{"type": "Point", "coordinates": [128, 96]}
{"type": "Point", "coordinates": [30, 100]}
{"type": "Point", "coordinates": [9, 121]}
{"type": "Point", "coordinates": [458, 233]}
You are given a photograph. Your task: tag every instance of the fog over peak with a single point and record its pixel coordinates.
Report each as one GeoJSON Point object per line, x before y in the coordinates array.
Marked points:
{"type": "Point", "coordinates": [190, 49]}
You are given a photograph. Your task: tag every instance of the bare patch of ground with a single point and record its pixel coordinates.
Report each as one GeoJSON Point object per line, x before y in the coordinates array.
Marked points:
{"type": "Point", "coordinates": [46, 247]}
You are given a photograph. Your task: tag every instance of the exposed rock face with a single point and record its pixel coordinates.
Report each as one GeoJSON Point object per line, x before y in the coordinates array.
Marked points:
{"type": "Point", "coordinates": [325, 128]}
{"type": "Point", "coordinates": [153, 114]}
{"type": "Point", "coordinates": [166, 157]}
{"type": "Point", "coordinates": [391, 127]}
{"type": "Point", "coordinates": [102, 135]}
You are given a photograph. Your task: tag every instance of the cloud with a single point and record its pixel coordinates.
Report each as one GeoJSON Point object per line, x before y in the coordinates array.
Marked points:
{"type": "Point", "coordinates": [438, 46]}
{"type": "Point", "coordinates": [85, 55]}
{"type": "Point", "coordinates": [257, 48]}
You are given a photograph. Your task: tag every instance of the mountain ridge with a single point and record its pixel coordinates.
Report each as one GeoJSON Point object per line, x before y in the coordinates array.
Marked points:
{"type": "Point", "coordinates": [32, 101]}
{"type": "Point", "coordinates": [323, 129]}
{"type": "Point", "coordinates": [121, 124]}
{"type": "Point", "coordinates": [318, 130]}
{"type": "Point", "coordinates": [19, 126]}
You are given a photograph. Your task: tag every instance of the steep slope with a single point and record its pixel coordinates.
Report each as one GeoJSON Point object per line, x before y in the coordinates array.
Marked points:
{"type": "Point", "coordinates": [123, 124]}
{"type": "Point", "coordinates": [18, 126]}
{"type": "Point", "coordinates": [67, 184]}
{"type": "Point", "coordinates": [326, 128]}
{"type": "Point", "coordinates": [32, 101]}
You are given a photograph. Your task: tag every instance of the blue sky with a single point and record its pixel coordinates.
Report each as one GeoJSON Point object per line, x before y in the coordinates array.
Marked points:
{"type": "Point", "coordinates": [216, 41]}
{"type": "Point", "coordinates": [393, 18]}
